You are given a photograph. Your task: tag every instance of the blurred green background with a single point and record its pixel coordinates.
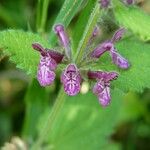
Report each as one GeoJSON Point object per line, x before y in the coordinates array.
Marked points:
{"type": "Point", "coordinates": [132, 126]}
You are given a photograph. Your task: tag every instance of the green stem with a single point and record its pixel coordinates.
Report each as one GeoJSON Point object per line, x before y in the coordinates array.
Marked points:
{"type": "Point", "coordinates": [42, 9]}
{"type": "Point", "coordinates": [44, 14]}
{"type": "Point", "coordinates": [87, 33]}
{"type": "Point", "coordinates": [38, 15]}
{"type": "Point", "coordinates": [51, 119]}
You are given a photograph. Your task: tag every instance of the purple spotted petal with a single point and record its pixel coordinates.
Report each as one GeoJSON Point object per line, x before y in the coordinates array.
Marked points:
{"type": "Point", "coordinates": [118, 35]}
{"type": "Point", "coordinates": [45, 76]}
{"type": "Point", "coordinates": [101, 48]}
{"type": "Point", "coordinates": [46, 69]}
{"type": "Point", "coordinates": [71, 80]}
{"type": "Point", "coordinates": [104, 97]}
{"type": "Point", "coordinates": [102, 90]}
{"type": "Point", "coordinates": [49, 62]}
{"type": "Point", "coordinates": [119, 60]}
{"type": "Point", "coordinates": [98, 87]}
{"type": "Point", "coordinates": [104, 3]}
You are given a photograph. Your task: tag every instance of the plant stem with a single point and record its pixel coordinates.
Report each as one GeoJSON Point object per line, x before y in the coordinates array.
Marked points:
{"type": "Point", "coordinates": [42, 9]}
{"type": "Point", "coordinates": [44, 14]}
{"type": "Point", "coordinates": [87, 33]}
{"type": "Point", "coordinates": [58, 105]}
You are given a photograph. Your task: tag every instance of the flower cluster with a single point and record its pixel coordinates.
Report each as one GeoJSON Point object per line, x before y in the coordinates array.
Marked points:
{"type": "Point", "coordinates": [72, 75]}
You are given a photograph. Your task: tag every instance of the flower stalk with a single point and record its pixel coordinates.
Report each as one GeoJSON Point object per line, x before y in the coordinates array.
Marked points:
{"type": "Point", "coordinates": [53, 115]}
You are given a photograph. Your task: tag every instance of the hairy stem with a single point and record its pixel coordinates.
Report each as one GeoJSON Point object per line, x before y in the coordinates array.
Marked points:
{"type": "Point", "coordinates": [87, 33]}
{"type": "Point", "coordinates": [50, 120]}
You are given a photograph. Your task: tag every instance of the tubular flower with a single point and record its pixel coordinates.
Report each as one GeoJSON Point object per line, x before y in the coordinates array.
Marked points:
{"type": "Point", "coordinates": [48, 63]}
{"type": "Point", "coordinates": [117, 59]}
{"type": "Point", "coordinates": [73, 74]}
{"type": "Point", "coordinates": [104, 3]}
{"type": "Point", "coordinates": [71, 79]}
{"type": "Point", "coordinates": [102, 87]}
{"type": "Point", "coordinates": [129, 2]}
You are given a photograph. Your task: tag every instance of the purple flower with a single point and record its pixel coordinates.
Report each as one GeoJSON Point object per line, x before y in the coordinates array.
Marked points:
{"type": "Point", "coordinates": [102, 91]}
{"type": "Point", "coordinates": [46, 74]}
{"type": "Point", "coordinates": [59, 30]}
{"type": "Point", "coordinates": [118, 35]}
{"type": "Point", "coordinates": [104, 3]}
{"type": "Point", "coordinates": [109, 46]}
{"type": "Point", "coordinates": [102, 87]}
{"type": "Point", "coordinates": [129, 2]}
{"type": "Point", "coordinates": [71, 79]}
{"type": "Point", "coordinates": [94, 34]}
{"type": "Point", "coordinates": [48, 63]}
{"type": "Point", "coordinates": [118, 59]}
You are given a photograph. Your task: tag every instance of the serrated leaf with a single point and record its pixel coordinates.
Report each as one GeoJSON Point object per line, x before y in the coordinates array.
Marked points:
{"type": "Point", "coordinates": [83, 123]}
{"type": "Point", "coordinates": [133, 18]}
{"type": "Point", "coordinates": [136, 78]}
{"type": "Point", "coordinates": [67, 12]}
{"type": "Point", "coordinates": [18, 44]}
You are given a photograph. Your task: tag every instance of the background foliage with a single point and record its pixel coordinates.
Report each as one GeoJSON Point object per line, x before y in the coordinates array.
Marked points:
{"type": "Point", "coordinates": [82, 123]}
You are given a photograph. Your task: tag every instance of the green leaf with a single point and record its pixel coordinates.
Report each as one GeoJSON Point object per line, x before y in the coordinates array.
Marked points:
{"type": "Point", "coordinates": [67, 12]}
{"type": "Point", "coordinates": [36, 101]}
{"type": "Point", "coordinates": [133, 18]}
{"type": "Point", "coordinates": [17, 44]}
{"type": "Point", "coordinates": [81, 23]}
{"type": "Point", "coordinates": [136, 78]}
{"type": "Point", "coordinates": [83, 123]}
{"type": "Point", "coordinates": [87, 33]}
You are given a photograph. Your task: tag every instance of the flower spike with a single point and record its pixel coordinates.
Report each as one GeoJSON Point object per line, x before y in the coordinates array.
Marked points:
{"type": "Point", "coordinates": [71, 77]}
{"type": "Point", "coordinates": [71, 80]}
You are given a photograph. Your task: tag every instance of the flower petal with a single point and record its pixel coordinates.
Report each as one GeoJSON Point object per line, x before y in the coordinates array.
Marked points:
{"type": "Point", "coordinates": [104, 97]}
{"type": "Point", "coordinates": [71, 80]}
{"type": "Point", "coordinates": [46, 69]}
{"type": "Point", "coordinates": [45, 76]}
{"type": "Point", "coordinates": [106, 76]}
{"type": "Point", "coordinates": [59, 30]}
{"type": "Point", "coordinates": [101, 48]}
{"type": "Point", "coordinates": [119, 60]}
{"type": "Point", "coordinates": [118, 35]}
{"type": "Point", "coordinates": [55, 55]}
{"type": "Point", "coordinates": [104, 3]}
